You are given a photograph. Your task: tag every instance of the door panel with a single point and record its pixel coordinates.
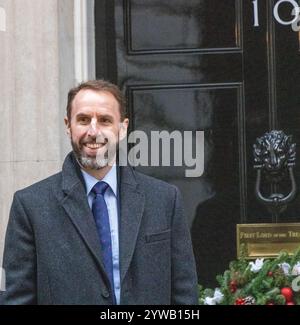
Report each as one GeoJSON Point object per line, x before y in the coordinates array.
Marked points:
{"type": "Point", "coordinates": [179, 26]}
{"type": "Point", "coordinates": [286, 83]}
{"type": "Point", "coordinates": [201, 65]}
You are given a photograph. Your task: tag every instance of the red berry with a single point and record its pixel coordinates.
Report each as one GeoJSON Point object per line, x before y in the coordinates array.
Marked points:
{"type": "Point", "coordinates": [270, 273]}
{"type": "Point", "coordinates": [240, 301]}
{"type": "Point", "coordinates": [287, 293]}
{"type": "Point", "coordinates": [233, 286]}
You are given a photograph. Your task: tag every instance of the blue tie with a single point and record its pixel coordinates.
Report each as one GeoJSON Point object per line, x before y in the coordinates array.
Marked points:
{"type": "Point", "coordinates": [101, 216]}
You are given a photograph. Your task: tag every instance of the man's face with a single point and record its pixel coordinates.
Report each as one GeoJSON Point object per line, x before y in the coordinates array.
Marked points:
{"type": "Point", "coordinates": [95, 128]}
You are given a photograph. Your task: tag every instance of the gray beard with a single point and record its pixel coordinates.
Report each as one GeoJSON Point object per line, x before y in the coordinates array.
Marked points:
{"type": "Point", "coordinates": [90, 162]}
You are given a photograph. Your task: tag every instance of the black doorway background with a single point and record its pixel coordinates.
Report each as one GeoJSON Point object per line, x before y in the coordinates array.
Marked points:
{"type": "Point", "coordinates": [202, 65]}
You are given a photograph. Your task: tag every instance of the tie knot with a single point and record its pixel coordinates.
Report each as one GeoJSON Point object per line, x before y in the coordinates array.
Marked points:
{"type": "Point", "coordinates": [100, 188]}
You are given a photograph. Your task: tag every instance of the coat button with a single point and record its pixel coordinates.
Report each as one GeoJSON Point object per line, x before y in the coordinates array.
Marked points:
{"type": "Point", "coordinates": [105, 294]}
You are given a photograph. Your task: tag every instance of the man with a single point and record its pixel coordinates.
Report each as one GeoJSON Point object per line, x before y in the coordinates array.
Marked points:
{"type": "Point", "coordinates": [97, 233]}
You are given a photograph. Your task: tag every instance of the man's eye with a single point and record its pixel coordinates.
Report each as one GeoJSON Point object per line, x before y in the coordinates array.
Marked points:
{"type": "Point", "coordinates": [83, 120]}
{"type": "Point", "coordinates": [105, 120]}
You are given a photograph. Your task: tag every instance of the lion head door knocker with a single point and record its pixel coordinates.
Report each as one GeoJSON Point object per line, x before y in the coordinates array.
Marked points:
{"type": "Point", "coordinates": [274, 161]}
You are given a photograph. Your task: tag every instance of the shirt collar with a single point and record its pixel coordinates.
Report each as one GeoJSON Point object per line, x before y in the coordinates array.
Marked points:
{"type": "Point", "coordinates": [110, 178]}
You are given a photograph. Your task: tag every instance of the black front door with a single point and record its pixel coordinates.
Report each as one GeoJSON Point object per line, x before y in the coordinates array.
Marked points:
{"type": "Point", "coordinates": [228, 68]}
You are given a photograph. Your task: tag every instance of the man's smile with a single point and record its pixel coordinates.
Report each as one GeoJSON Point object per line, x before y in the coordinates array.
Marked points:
{"type": "Point", "coordinates": [94, 145]}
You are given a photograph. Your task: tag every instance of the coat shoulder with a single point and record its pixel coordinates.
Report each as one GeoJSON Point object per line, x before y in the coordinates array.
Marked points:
{"type": "Point", "coordinates": [41, 188]}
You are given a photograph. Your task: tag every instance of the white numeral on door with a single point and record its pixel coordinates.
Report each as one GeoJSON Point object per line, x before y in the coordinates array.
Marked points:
{"type": "Point", "coordinates": [255, 13]}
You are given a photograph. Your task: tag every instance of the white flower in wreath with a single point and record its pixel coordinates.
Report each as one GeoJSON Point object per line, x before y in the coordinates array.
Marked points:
{"type": "Point", "coordinates": [296, 269]}
{"type": "Point", "coordinates": [257, 265]}
{"type": "Point", "coordinates": [216, 299]}
{"type": "Point", "coordinates": [285, 267]}
{"type": "Point", "coordinates": [218, 296]}
{"type": "Point", "coordinates": [209, 301]}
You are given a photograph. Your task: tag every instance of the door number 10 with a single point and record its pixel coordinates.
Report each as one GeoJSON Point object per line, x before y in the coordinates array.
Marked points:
{"type": "Point", "coordinates": [295, 12]}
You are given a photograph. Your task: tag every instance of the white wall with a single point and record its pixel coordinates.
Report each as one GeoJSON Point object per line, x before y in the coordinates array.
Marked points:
{"type": "Point", "coordinates": [37, 68]}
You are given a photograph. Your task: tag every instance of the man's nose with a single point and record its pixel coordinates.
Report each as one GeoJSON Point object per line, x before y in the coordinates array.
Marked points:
{"type": "Point", "coordinates": [93, 128]}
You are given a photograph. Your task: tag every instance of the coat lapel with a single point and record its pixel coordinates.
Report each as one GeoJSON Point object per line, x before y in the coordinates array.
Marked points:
{"type": "Point", "coordinates": [131, 207]}
{"type": "Point", "coordinates": [131, 210]}
{"type": "Point", "coordinates": [76, 206]}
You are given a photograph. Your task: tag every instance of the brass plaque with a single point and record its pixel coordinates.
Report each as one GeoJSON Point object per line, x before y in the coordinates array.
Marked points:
{"type": "Point", "coordinates": [267, 240]}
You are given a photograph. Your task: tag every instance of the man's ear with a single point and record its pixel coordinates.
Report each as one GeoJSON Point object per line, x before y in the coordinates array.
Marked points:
{"type": "Point", "coordinates": [68, 126]}
{"type": "Point", "coordinates": [123, 129]}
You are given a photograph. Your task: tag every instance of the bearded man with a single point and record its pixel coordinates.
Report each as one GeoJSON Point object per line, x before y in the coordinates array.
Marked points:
{"type": "Point", "coordinates": [98, 233]}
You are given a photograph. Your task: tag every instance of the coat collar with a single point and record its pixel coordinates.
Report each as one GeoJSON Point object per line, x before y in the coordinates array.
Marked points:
{"type": "Point", "coordinates": [76, 205]}
{"type": "Point", "coordinates": [71, 174]}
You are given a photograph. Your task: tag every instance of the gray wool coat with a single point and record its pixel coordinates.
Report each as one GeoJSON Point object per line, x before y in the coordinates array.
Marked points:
{"type": "Point", "coordinates": [52, 253]}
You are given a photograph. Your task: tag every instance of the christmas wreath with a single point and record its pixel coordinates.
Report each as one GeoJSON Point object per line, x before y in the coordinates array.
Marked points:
{"type": "Point", "coordinates": [261, 282]}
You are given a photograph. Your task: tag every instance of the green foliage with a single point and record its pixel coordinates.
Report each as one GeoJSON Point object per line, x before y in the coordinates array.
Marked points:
{"type": "Point", "coordinates": [259, 283]}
